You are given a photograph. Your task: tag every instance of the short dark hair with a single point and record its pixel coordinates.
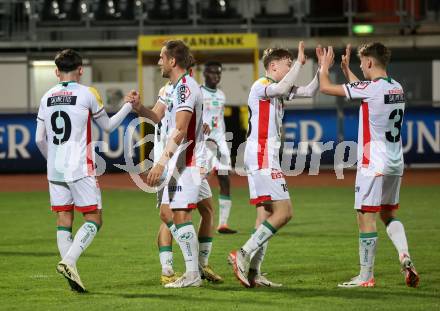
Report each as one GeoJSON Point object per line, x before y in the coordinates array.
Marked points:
{"type": "Point", "coordinates": [212, 63]}
{"type": "Point", "coordinates": [178, 50]}
{"type": "Point", "coordinates": [272, 54]}
{"type": "Point", "coordinates": [376, 50]}
{"type": "Point", "coordinates": [68, 60]}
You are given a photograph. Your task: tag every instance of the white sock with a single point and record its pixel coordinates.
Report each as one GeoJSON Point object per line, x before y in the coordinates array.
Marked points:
{"type": "Point", "coordinates": [172, 227]}
{"type": "Point", "coordinates": [396, 232]}
{"type": "Point", "coordinates": [205, 247]}
{"type": "Point", "coordinates": [263, 233]}
{"type": "Point", "coordinates": [367, 253]}
{"type": "Point", "coordinates": [224, 203]}
{"type": "Point", "coordinates": [187, 240]}
{"type": "Point", "coordinates": [64, 240]}
{"type": "Point", "coordinates": [82, 240]}
{"type": "Point", "coordinates": [166, 260]}
{"type": "Point", "coordinates": [258, 257]}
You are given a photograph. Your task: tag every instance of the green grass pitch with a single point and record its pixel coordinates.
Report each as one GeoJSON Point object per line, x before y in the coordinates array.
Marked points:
{"type": "Point", "coordinates": [314, 252]}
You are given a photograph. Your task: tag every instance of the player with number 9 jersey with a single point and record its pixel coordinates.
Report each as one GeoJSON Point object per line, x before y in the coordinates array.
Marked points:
{"type": "Point", "coordinates": [64, 137]}
{"type": "Point", "coordinates": [67, 110]}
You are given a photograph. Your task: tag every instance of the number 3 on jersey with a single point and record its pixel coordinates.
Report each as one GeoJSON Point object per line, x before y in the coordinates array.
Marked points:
{"type": "Point", "coordinates": [61, 125]}
{"type": "Point", "coordinates": [396, 117]}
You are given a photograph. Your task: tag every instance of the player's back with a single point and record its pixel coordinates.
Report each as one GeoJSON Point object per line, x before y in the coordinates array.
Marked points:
{"type": "Point", "coordinates": [380, 122]}
{"type": "Point", "coordinates": [66, 110]}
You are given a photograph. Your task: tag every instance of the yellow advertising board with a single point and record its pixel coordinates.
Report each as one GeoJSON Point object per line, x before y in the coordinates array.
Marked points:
{"type": "Point", "coordinates": [202, 42]}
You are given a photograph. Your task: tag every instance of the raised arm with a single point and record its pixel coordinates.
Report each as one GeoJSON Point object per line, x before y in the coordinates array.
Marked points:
{"type": "Point", "coordinates": [283, 87]}
{"type": "Point", "coordinates": [109, 124]}
{"type": "Point", "coordinates": [306, 91]}
{"type": "Point", "coordinates": [325, 85]}
{"type": "Point", "coordinates": [345, 65]}
{"type": "Point", "coordinates": [310, 89]}
{"type": "Point", "coordinates": [156, 113]}
{"type": "Point", "coordinates": [101, 118]}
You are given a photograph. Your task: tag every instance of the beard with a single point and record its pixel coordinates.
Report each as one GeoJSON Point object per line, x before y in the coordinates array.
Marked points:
{"type": "Point", "coordinates": [165, 74]}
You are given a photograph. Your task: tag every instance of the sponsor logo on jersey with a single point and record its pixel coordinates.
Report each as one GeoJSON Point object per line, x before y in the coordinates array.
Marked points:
{"type": "Point", "coordinates": [275, 174]}
{"type": "Point", "coordinates": [59, 93]}
{"type": "Point", "coordinates": [360, 85]}
{"type": "Point", "coordinates": [183, 94]}
{"type": "Point", "coordinates": [175, 188]}
{"type": "Point", "coordinates": [61, 100]}
{"type": "Point", "coordinates": [394, 98]}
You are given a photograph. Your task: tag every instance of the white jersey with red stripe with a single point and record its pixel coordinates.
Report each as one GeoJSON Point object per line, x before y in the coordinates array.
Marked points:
{"type": "Point", "coordinates": [213, 111]}
{"type": "Point", "coordinates": [186, 96]}
{"type": "Point", "coordinates": [67, 110]}
{"type": "Point", "coordinates": [380, 124]}
{"type": "Point", "coordinates": [160, 129]}
{"type": "Point", "coordinates": [264, 127]}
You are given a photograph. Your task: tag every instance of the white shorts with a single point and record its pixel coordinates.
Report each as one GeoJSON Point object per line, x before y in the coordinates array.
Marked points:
{"type": "Point", "coordinates": [84, 195]}
{"type": "Point", "coordinates": [376, 193]}
{"type": "Point", "coordinates": [267, 185]}
{"type": "Point", "coordinates": [204, 193]}
{"type": "Point", "coordinates": [218, 155]}
{"type": "Point", "coordinates": [183, 192]}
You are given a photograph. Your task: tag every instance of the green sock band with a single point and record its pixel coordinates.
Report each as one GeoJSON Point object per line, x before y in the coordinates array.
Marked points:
{"type": "Point", "coordinates": [254, 230]}
{"type": "Point", "coordinates": [184, 224]}
{"type": "Point", "coordinates": [224, 197]}
{"type": "Point", "coordinates": [269, 226]}
{"type": "Point", "coordinates": [165, 249]}
{"type": "Point", "coordinates": [205, 239]}
{"type": "Point", "coordinates": [368, 235]}
{"type": "Point", "coordinates": [94, 223]}
{"type": "Point", "coordinates": [61, 228]}
{"type": "Point", "coordinates": [170, 224]}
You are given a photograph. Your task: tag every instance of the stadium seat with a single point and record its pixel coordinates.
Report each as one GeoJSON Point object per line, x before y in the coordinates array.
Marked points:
{"type": "Point", "coordinates": [219, 12]}
{"type": "Point", "coordinates": [275, 12]}
{"type": "Point", "coordinates": [59, 13]}
{"type": "Point", "coordinates": [167, 12]}
{"type": "Point", "coordinates": [114, 13]}
{"type": "Point", "coordinates": [327, 12]}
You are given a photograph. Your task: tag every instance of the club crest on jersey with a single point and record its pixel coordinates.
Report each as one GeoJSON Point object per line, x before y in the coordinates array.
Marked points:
{"type": "Point", "coordinates": [183, 94]}
{"type": "Point", "coordinates": [360, 85]}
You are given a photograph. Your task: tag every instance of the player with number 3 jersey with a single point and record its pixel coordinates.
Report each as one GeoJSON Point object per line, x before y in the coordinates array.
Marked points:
{"type": "Point", "coordinates": [380, 156]}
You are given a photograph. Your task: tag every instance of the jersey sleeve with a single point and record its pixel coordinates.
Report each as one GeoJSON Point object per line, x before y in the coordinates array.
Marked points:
{"type": "Point", "coordinates": [96, 104]}
{"type": "Point", "coordinates": [161, 96]}
{"type": "Point", "coordinates": [186, 98]}
{"type": "Point", "coordinates": [260, 87]}
{"type": "Point", "coordinates": [359, 90]}
{"type": "Point", "coordinates": [41, 114]}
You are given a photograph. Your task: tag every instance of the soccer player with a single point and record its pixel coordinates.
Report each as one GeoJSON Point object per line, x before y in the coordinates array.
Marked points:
{"type": "Point", "coordinates": [267, 186]}
{"type": "Point", "coordinates": [64, 137]}
{"type": "Point", "coordinates": [183, 158]}
{"type": "Point", "coordinates": [380, 156]}
{"type": "Point", "coordinates": [218, 152]}
{"type": "Point", "coordinates": [204, 205]}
